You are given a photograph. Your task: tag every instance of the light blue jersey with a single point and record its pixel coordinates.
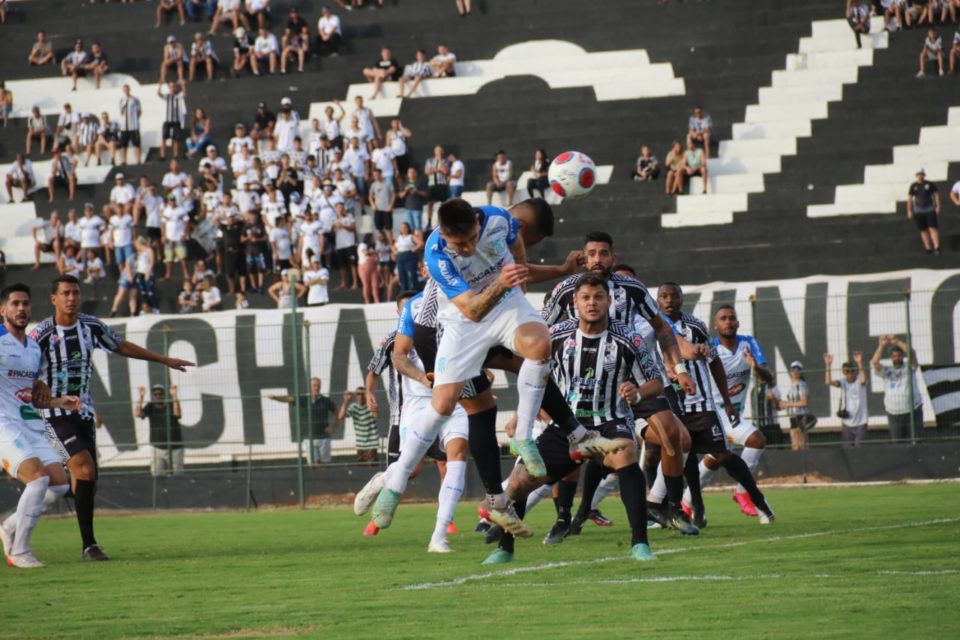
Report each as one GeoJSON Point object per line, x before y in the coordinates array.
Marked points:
{"type": "Point", "coordinates": [737, 369]}
{"type": "Point", "coordinates": [19, 367]}
{"type": "Point", "coordinates": [456, 274]}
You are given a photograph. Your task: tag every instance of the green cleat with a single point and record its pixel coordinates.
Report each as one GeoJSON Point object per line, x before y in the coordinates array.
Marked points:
{"type": "Point", "coordinates": [527, 449]}
{"type": "Point", "coordinates": [499, 556]}
{"type": "Point", "coordinates": [642, 552]}
{"type": "Point", "coordinates": [385, 507]}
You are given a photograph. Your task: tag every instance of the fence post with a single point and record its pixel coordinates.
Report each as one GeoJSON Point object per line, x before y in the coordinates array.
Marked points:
{"type": "Point", "coordinates": [297, 396]}
{"type": "Point", "coordinates": [306, 336]}
{"type": "Point", "coordinates": [911, 372]}
{"type": "Point", "coordinates": [168, 411]}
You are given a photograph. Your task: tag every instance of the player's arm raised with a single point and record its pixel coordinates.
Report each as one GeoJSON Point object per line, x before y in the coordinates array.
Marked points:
{"type": "Point", "coordinates": [545, 272]}
{"type": "Point", "coordinates": [475, 306]}
{"type": "Point", "coordinates": [135, 351]}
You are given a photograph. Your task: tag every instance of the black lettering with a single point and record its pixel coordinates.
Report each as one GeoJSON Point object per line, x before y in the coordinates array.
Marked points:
{"type": "Point", "coordinates": [352, 332]}
{"type": "Point", "coordinates": [944, 303]}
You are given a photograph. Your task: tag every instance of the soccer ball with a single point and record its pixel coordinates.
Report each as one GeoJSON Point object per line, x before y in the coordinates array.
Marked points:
{"type": "Point", "coordinates": [572, 175]}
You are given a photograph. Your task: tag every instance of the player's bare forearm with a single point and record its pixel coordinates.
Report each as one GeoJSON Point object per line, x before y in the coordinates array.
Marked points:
{"type": "Point", "coordinates": [545, 272]}
{"type": "Point", "coordinates": [477, 306]}
{"type": "Point", "coordinates": [405, 367]}
{"type": "Point", "coordinates": [720, 377]}
{"type": "Point", "coordinates": [135, 351]}
{"type": "Point", "coordinates": [668, 344]}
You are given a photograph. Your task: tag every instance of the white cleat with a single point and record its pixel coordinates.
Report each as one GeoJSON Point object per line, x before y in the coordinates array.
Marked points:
{"type": "Point", "coordinates": [24, 561]}
{"type": "Point", "coordinates": [766, 516]}
{"type": "Point", "coordinates": [439, 546]}
{"type": "Point", "coordinates": [7, 540]}
{"type": "Point", "coordinates": [509, 521]}
{"type": "Point", "coordinates": [594, 444]}
{"type": "Point", "coordinates": [366, 496]}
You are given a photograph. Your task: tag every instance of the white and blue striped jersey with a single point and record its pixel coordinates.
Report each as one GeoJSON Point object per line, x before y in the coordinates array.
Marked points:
{"type": "Point", "coordinates": [19, 367]}
{"type": "Point", "coordinates": [736, 367]}
{"type": "Point", "coordinates": [456, 274]}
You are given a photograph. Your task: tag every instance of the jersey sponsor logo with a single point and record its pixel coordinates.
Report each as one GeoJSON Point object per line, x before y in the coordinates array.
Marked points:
{"type": "Point", "coordinates": [588, 413]}
{"type": "Point", "coordinates": [27, 412]}
{"type": "Point", "coordinates": [21, 373]}
{"type": "Point", "coordinates": [24, 395]}
{"type": "Point", "coordinates": [447, 272]}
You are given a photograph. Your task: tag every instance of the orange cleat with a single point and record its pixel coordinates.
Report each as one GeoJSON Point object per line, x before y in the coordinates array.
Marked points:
{"type": "Point", "coordinates": [452, 528]}
{"type": "Point", "coordinates": [371, 530]}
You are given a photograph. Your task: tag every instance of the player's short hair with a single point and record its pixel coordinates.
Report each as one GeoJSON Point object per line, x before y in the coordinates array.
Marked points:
{"type": "Point", "coordinates": [65, 278]}
{"type": "Point", "coordinates": [624, 267]}
{"type": "Point", "coordinates": [590, 280]}
{"type": "Point", "coordinates": [599, 236]}
{"type": "Point", "coordinates": [457, 218]}
{"type": "Point", "coordinates": [722, 307]}
{"type": "Point", "coordinates": [542, 214]}
{"type": "Point", "coordinates": [405, 295]}
{"type": "Point", "coordinates": [16, 287]}
{"type": "Point", "coordinates": [672, 284]}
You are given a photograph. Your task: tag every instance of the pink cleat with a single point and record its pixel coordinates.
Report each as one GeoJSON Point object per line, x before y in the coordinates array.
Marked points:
{"type": "Point", "coordinates": [452, 528]}
{"type": "Point", "coordinates": [746, 504]}
{"type": "Point", "coordinates": [371, 530]}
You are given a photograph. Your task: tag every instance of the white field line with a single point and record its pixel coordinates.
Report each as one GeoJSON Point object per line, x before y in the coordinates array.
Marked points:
{"type": "Point", "coordinates": [573, 563]}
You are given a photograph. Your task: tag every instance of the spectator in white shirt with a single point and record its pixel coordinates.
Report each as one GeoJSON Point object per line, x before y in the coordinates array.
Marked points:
{"type": "Point", "coordinates": [345, 237]}
{"type": "Point", "coordinates": [858, 17]}
{"type": "Point", "coordinates": [228, 10]}
{"type": "Point", "coordinates": [108, 135]}
{"type": "Point", "coordinates": [73, 63]}
{"type": "Point", "coordinates": [71, 230]}
{"type": "Point", "coordinates": [47, 238]}
{"type": "Point", "coordinates": [63, 170]}
{"type": "Point", "coordinates": [258, 9]}
{"type": "Point", "coordinates": [202, 54]}
{"type": "Point", "coordinates": [932, 50]}
{"type": "Point", "coordinates": [36, 128]}
{"type": "Point", "coordinates": [121, 235]}
{"type": "Point", "coordinates": [366, 119]}
{"type": "Point", "coordinates": [20, 175]}
{"type": "Point", "coordinates": [501, 178]}
{"type": "Point", "coordinates": [174, 178]}
{"type": "Point", "coordinates": [316, 278]}
{"type": "Point", "coordinates": [853, 398]}
{"type": "Point", "coordinates": [285, 130]}
{"type": "Point", "coordinates": [416, 71]}
{"type": "Point", "coordinates": [699, 129]}
{"type": "Point", "coordinates": [130, 110]}
{"type": "Point", "coordinates": [357, 160]}
{"type": "Point", "coordinates": [396, 141]}
{"type": "Point", "coordinates": [444, 62]}
{"type": "Point", "coordinates": [955, 51]}
{"type": "Point", "coordinates": [68, 264]}
{"type": "Point", "coordinates": [42, 51]}
{"type": "Point", "coordinates": [280, 243]}
{"type": "Point", "coordinates": [902, 399]}
{"type": "Point", "coordinates": [174, 236]}
{"type": "Point", "coordinates": [91, 227]}
{"type": "Point", "coordinates": [329, 34]}
{"type": "Point", "coordinates": [67, 125]}
{"type": "Point", "coordinates": [173, 55]}
{"type": "Point", "coordinates": [266, 50]}
{"type": "Point", "coordinates": [457, 172]}
{"type": "Point", "coordinates": [169, 6]}
{"type": "Point", "coordinates": [123, 194]}
{"type": "Point", "coordinates": [382, 158]}
{"type": "Point", "coordinates": [955, 193]}
{"type": "Point", "coordinates": [210, 296]}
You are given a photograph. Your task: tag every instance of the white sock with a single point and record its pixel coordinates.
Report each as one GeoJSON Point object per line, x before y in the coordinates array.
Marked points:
{"type": "Point", "coordinates": [606, 486]}
{"type": "Point", "coordinates": [658, 492]}
{"type": "Point", "coordinates": [751, 457]}
{"type": "Point", "coordinates": [414, 446]}
{"type": "Point", "coordinates": [531, 385]}
{"type": "Point", "coordinates": [537, 495]}
{"type": "Point", "coordinates": [53, 496]}
{"type": "Point", "coordinates": [706, 473]}
{"type": "Point", "coordinates": [28, 513]}
{"type": "Point", "coordinates": [450, 492]}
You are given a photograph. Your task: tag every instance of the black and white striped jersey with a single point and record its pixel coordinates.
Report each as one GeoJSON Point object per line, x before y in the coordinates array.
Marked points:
{"type": "Point", "coordinates": [429, 309]}
{"type": "Point", "coordinates": [590, 369]}
{"type": "Point", "coordinates": [67, 365]}
{"type": "Point", "coordinates": [629, 298]}
{"type": "Point", "coordinates": [130, 110]}
{"type": "Point", "coordinates": [695, 331]}
{"type": "Point", "coordinates": [382, 362]}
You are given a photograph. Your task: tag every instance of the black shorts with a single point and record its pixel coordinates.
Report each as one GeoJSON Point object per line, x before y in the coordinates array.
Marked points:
{"type": "Point", "coordinates": [650, 406]}
{"type": "Point", "coordinates": [154, 233]}
{"type": "Point", "coordinates": [347, 256]}
{"type": "Point", "coordinates": [75, 433]}
{"type": "Point", "coordinates": [172, 131]}
{"type": "Point", "coordinates": [555, 450]}
{"type": "Point", "coordinates": [706, 434]}
{"type": "Point", "coordinates": [128, 138]}
{"type": "Point", "coordinates": [926, 220]}
{"type": "Point", "coordinates": [280, 264]}
{"type": "Point", "coordinates": [438, 193]}
{"type": "Point", "coordinates": [383, 220]}
{"type": "Point", "coordinates": [235, 264]}
{"type": "Point", "coordinates": [676, 405]}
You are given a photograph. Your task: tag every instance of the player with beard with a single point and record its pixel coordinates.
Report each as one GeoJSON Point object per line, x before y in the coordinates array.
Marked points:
{"type": "Point", "coordinates": [700, 416]}
{"type": "Point", "coordinates": [603, 368]}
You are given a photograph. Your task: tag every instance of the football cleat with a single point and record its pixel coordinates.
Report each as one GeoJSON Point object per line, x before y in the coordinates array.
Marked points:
{"type": "Point", "coordinates": [746, 504]}
{"type": "Point", "coordinates": [24, 560]}
{"type": "Point", "coordinates": [656, 512]}
{"type": "Point", "coordinates": [482, 526]}
{"type": "Point", "coordinates": [370, 530]}
{"type": "Point", "coordinates": [559, 531]}
{"type": "Point", "coordinates": [482, 511]}
{"type": "Point", "coordinates": [499, 556]}
{"type": "Point", "coordinates": [452, 528]}
{"type": "Point", "coordinates": [439, 546]}
{"type": "Point", "coordinates": [642, 552]}
{"type": "Point", "coordinates": [677, 520]}
{"type": "Point", "coordinates": [594, 444]}
{"type": "Point", "coordinates": [385, 506]}
{"type": "Point", "coordinates": [577, 522]}
{"type": "Point", "coordinates": [599, 519]}
{"type": "Point", "coordinates": [508, 519]}
{"type": "Point", "coordinates": [698, 516]}
{"type": "Point", "coordinates": [765, 514]}
{"type": "Point", "coordinates": [95, 554]}
{"type": "Point", "coordinates": [527, 449]}
{"type": "Point", "coordinates": [687, 509]}
{"type": "Point", "coordinates": [366, 496]}
{"type": "Point", "coordinates": [493, 534]}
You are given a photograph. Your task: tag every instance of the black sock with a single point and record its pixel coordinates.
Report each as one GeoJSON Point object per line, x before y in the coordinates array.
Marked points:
{"type": "Point", "coordinates": [738, 470]}
{"type": "Point", "coordinates": [556, 405]}
{"type": "Point", "coordinates": [674, 489]}
{"type": "Point", "coordinates": [632, 490]}
{"type": "Point", "coordinates": [506, 539]}
{"type": "Point", "coordinates": [593, 473]}
{"type": "Point", "coordinates": [486, 450]}
{"type": "Point", "coordinates": [651, 460]}
{"type": "Point", "coordinates": [691, 472]}
{"type": "Point", "coordinates": [84, 505]}
{"type": "Point", "coordinates": [566, 491]}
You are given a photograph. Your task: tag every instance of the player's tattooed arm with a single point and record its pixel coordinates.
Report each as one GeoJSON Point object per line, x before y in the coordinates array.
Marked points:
{"type": "Point", "coordinates": [400, 357]}
{"type": "Point", "coordinates": [475, 306]}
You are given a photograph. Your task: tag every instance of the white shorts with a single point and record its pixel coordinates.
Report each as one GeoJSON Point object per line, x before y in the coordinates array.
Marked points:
{"type": "Point", "coordinates": [413, 407]}
{"type": "Point", "coordinates": [464, 344]}
{"type": "Point", "coordinates": [19, 442]}
{"type": "Point", "coordinates": [738, 435]}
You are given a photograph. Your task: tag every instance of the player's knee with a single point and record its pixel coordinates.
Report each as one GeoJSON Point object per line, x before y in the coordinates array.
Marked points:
{"type": "Point", "coordinates": [711, 462]}
{"type": "Point", "coordinates": [685, 442]}
{"type": "Point", "coordinates": [756, 440]}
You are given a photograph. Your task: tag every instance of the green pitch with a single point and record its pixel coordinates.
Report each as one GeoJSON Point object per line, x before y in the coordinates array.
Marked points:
{"type": "Point", "coordinates": [879, 562]}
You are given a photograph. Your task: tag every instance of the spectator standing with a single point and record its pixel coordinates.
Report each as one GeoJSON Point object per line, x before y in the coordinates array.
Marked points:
{"type": "Point", "coordinates": [858, 17]}
{"type": "Point", "coordinates": [74, 63]}
{"type": "Point", "coordinates": [317, 410]}
{"type": "Point", "coordinates": [369, 269]}
{"type": "Point", "coordinates": [254, 241]}
{"type": "Point", "coordinates": [130, 112]}
{"type": "Point", "coordinates": [169, 6]}
{"type": "Point", "coordinates": [174, 119]}
{"type": "Point", "coordinates": [329, 34]}
{"type": "Point", "coordinates": [152, 204]}
{"type": "Point", "coordinates": [266, 51]}
{"type": "Point", "coordinates": [6, 103]}
{"type": "Point", "coordinates": [202, 55]}
{"type": "Point", "coordinates": [188, 300]}
{"type": "Point", "coordinates": [72, 234]}
{"type": "Point", "coordinates": [365, 118]}
{"type": "Point", "coordinates": [932, 51]}
{"type": "Point", "coordinates": [357, 160]}
{"type": "Point", "coordinates": [41, 52]}
{"type": "Point", "coordinates": [143, 278]}
{"type": "Point", "coordinates": [345, 237]}
{"type": "Point", "coordinates": [437, 170]}
{"type": "Point", "coordinates": [63, 171]}
{"type": "Point", "coordinates": [501, 178]}
{"type": "Point", "coordinates": [315, 277]}
{"type": "Point", "coordinates": [407, 246]}
{"type": "Point", "coordinates": [415, 72]}
{"type": "Point", "coordinates": [539, 171]}
{"type": "Point", "coordinates": [699, 130]}
{"type": "Point", "coordinates": [36, 128]}
{"type": "Point", "coordinates": [648, 167]}
{"type": "Point", "coordinates": [853, 398]}
{"type": "Point", "coordinates": [381, 199]}
{"type": "Point", "coordinates": [384, 251]}
{"type": "Point", "coordinates": [384, 69]}
{"type": "Point", "coordinates": [332, 124]}
{"type": "Point", "coordinates": [923, 207]}
{"type": "Point", "coordinates": [364, 425]}
{"type": "Point", "coordinates": [900, 388]}
{"type": "Point", "coordinates": [126, 288]}
{"type": "Point", "coordinates": [795, 403]}
{"type": "Point", "coordinates": [396, 142]}
{"type": "Point", "coordinates": [382, 158]}
{"type": "Point", "coordinates": [234, 254]}
{"type": "Point", "coordinates": [123, 195]}
{"type": "Point", "coordinates": [173, 56]}
{"type": "Point", "coordinates": [283, 291]}
{"type": "Point", "coordinates": [47, 238]}
{"type": "Point", "coordinates": [281, 246]}
{"type": "Point", "coordinates": [166, 435]}
{"type": "Point", "coordinates": [457, 173]}
{"type": "Point", "coordinates": [414, 196]}
{"type": "Point", "coordinates": [121, 231]}
{"type": "Point", "coordinates": [20, 175]}
{"type": "Point", "coordinates": [176, 221]}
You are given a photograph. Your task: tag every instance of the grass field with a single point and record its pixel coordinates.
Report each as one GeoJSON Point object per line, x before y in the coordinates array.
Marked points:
{"type": "Point", "coordinates": [877, 562]}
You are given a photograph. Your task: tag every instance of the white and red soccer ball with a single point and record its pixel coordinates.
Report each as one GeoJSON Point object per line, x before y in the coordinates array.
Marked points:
{"type": "Point", "coordinates": [572, 175]}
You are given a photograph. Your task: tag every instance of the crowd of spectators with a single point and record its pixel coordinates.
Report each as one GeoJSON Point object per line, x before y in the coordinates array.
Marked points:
{"type": "Point", "coordinates": [682, 161]}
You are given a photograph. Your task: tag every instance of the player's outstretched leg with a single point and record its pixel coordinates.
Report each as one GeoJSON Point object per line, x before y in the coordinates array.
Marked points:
{"type": "Point", "coordinates": [738, 470]}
